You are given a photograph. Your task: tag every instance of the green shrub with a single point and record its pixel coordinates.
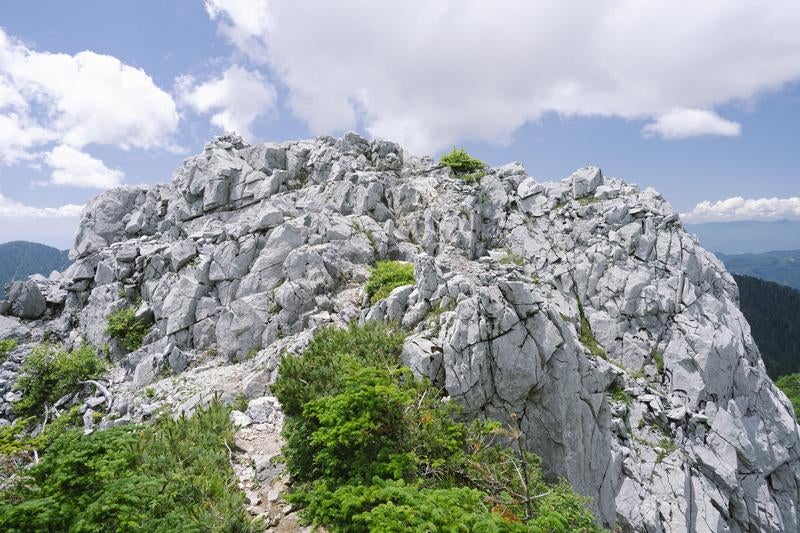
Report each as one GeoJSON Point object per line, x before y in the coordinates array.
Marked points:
{"type": "Point", "coordinates": [387, 276]}
{"type": "Point", "coordinates": [49, 372]}
{"type": "Point", "coordinates": [790, 385]}
{"type": "Point", "coordinates": [123, 325]}
{"type": "Point", "coordinates": [6, 346]}
{"type": "Point", "coordinates": [318, 370]}
{"type": "Point", "coordinates": [373, 449]}
{"type": "Point", "coordinates": [461, 162]}
{"type": "Point", "coordinates": [172, 476]}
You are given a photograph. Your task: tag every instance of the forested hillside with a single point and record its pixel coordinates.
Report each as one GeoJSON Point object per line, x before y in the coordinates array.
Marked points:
{"type": "Point", "coordinates": [20, 259]}
{"type": "Point", "coordinates": [773, 312]}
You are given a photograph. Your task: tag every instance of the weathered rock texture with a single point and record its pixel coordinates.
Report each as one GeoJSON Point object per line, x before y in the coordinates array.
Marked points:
{"type": "Point", "coordinates": [251, 247]}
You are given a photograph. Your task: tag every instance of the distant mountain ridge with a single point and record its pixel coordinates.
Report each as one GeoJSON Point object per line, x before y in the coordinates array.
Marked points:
{"type": "Point", "coordinates": [773, 312]}
{"type": "Point", "coordinates": [20, 259]}
{"type": "Point", "coordinates": [747, 236]}
{"type": "Point", "coordinates": [781, 267]}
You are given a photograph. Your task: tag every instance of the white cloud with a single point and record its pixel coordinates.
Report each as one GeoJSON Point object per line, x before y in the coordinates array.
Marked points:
{"type": "Point", "coordinates": [12, 208]}
{"type": "Point", "coordinates": [77, 100]}
{"type": "Point", "coordinates": [431, 74]}
{"type": "Point", "coordinates": [79, 169]}
{"type": "Point", "coordinates": [236, 98]}
{"type": "Point", "coordinates": [683, 123]}
{"type": "Point", "coordinates": [739, 208]}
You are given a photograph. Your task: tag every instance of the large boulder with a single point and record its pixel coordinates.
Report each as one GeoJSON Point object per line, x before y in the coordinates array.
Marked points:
{"type": "Point", "coordinates": [25, 299]}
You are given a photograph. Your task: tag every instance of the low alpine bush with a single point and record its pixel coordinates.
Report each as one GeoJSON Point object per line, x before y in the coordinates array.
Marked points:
{"type": "Point", "coordinates": [123, 325]}
{"type": "Point", "coordinates": [50, 372]}
{"type": "Point", "coordinates": [387, 276]}
{"type": "Point", "coordinates": [372, 448]}
{"type": "Point", "coordinates": [461, 162]}
{"type": "Point", "coordinates": [170, 476]}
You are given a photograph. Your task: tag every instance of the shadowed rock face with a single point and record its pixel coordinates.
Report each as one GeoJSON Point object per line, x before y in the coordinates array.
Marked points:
{"type": "Point", "coordinates": [252, 247]}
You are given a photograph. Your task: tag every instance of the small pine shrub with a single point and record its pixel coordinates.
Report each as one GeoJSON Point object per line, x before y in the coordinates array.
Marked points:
{"type": "Point", "coordinates": [387, 276]}
{"type": "Point", "coordinates": [371, 448]}
{"type": "Point", "coordinates": [172, 476]}
{"type": "Point", "coordinates": [123, 325]}
{"type": "Point", "coordinates": [319, 369]}
{"type": "Point", "coordinates": [461, 162]}
{"type": "Point", "coordinates": [49, 372]}
{"type": "Point", "coordinates": [6, 347]}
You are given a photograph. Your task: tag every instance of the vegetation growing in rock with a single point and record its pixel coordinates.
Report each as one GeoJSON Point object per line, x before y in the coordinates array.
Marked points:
{"type": "Point", "coordinates": [790, 385]}
{"type": "Point", "coordinates": [172, 476]}
{"type": "Point", "coordinates": [6, 346]}
{"type": "Point", "coordinates": [123, 325]}
{"type": "Point", "coordinates": [468, 168]}
{"type": "Point", "coordinates": [374, 449]}
{"type": "Point", "coordinates": [387, 276]}
{"type": "Point", "coordinates": [50, 372]}
{"type": "Point", "coordinates": [587, 337]}
{"type": "Point", "coordinates": [512, 258]}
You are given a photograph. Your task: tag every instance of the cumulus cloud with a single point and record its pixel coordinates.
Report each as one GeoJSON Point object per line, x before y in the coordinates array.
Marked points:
{"type": "Point", "coordinates": [12, 208]}
{"type": "Point", "coordinates": [236, 98]}
{"type": "Point", "coordinates": [739, 208]}
{"type": "Point", "coordinates": [683, 123]}
{"type": "Point", "coordinates": [430, 74]}
{"type": "Point", "coordinates": [79, 169]}
{"type": "Point", "coordinates": [77, 100]}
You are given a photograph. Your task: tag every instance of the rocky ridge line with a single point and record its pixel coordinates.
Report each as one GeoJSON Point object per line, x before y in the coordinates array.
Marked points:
{"type": "Point", "coordinates": [664, 414]}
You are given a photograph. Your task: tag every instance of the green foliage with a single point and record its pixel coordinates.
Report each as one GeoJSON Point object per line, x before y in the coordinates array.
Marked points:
{"type": "Point", "coordinates": [658, 360]}
{"type": "Point", "coordinates": [790, 385]}
{"type": "Point", "coordinates": [387, 276]}
{"type": "Point", "coordinates": [123, 325]}
{"type": "Point", "coordinates": [587, 200]}
{"type": "Point", "coordinates": [50, 372]}
{"type": "Point", "coordinates": [461, 162]}
{"type": "Point", "coordinates": [373, 449]}
{"type": "Point", "coordinates": [318, 371]}
{"type": "Point", "coordinates": [772, 311]}
{"type": "Point", "coordinates": [173, 476]}
{"type": "Point", "coordinates": [587, 337]}
{"type": "Point", "coordinates": [620, 396]}
{"type": "Point", "coordinates": [512, 259]}
{"type": "Point", "coordinates": [6, 346]}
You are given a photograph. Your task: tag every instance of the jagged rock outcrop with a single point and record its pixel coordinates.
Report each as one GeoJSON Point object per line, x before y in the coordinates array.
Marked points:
{"type": "Point", "coordinates": [580, 307]}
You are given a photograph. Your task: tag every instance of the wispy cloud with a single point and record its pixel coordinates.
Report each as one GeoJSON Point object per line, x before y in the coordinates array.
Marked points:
{"type": "Point", "coordinates": [236, 98]}
{"type": "Point", "coordinates": [12, 208]}
{"type": "Point", "coordinates": [683, 123]}
{"type": "Point", "coordinates": [739, 208]}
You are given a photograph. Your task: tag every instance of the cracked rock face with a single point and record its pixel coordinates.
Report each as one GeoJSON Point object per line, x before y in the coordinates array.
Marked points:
{"type": "Point", "coordinates": [580, 307]}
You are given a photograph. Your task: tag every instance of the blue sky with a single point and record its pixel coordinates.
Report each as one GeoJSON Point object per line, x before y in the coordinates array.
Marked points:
{"type": "Point", "coordinates": [704, 112]}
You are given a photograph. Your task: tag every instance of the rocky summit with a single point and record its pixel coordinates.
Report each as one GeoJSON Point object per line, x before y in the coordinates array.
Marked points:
{"type": "Point", "coordinates": [580, 308]}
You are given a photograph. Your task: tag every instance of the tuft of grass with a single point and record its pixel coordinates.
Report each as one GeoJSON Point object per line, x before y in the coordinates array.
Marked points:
{"type": "Point", "coordinates": [6, 347]}
{"type": "Point", "coordinates": [387, 276]}
{"type": "Point", "coordinates": [587, 200]}
{"type": "Point", "coordinates": [512, 259]}
{"type": "Point", "coordinates": [658, 360]}
{"type": "Point", "coordinates": [587, 337]}
{"type": "Point", "coordinates": [122, 324]}
{"type": "Point", "coordinates": [666, 446]}
{"type": "Point", "coordinates": [619, 395]}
